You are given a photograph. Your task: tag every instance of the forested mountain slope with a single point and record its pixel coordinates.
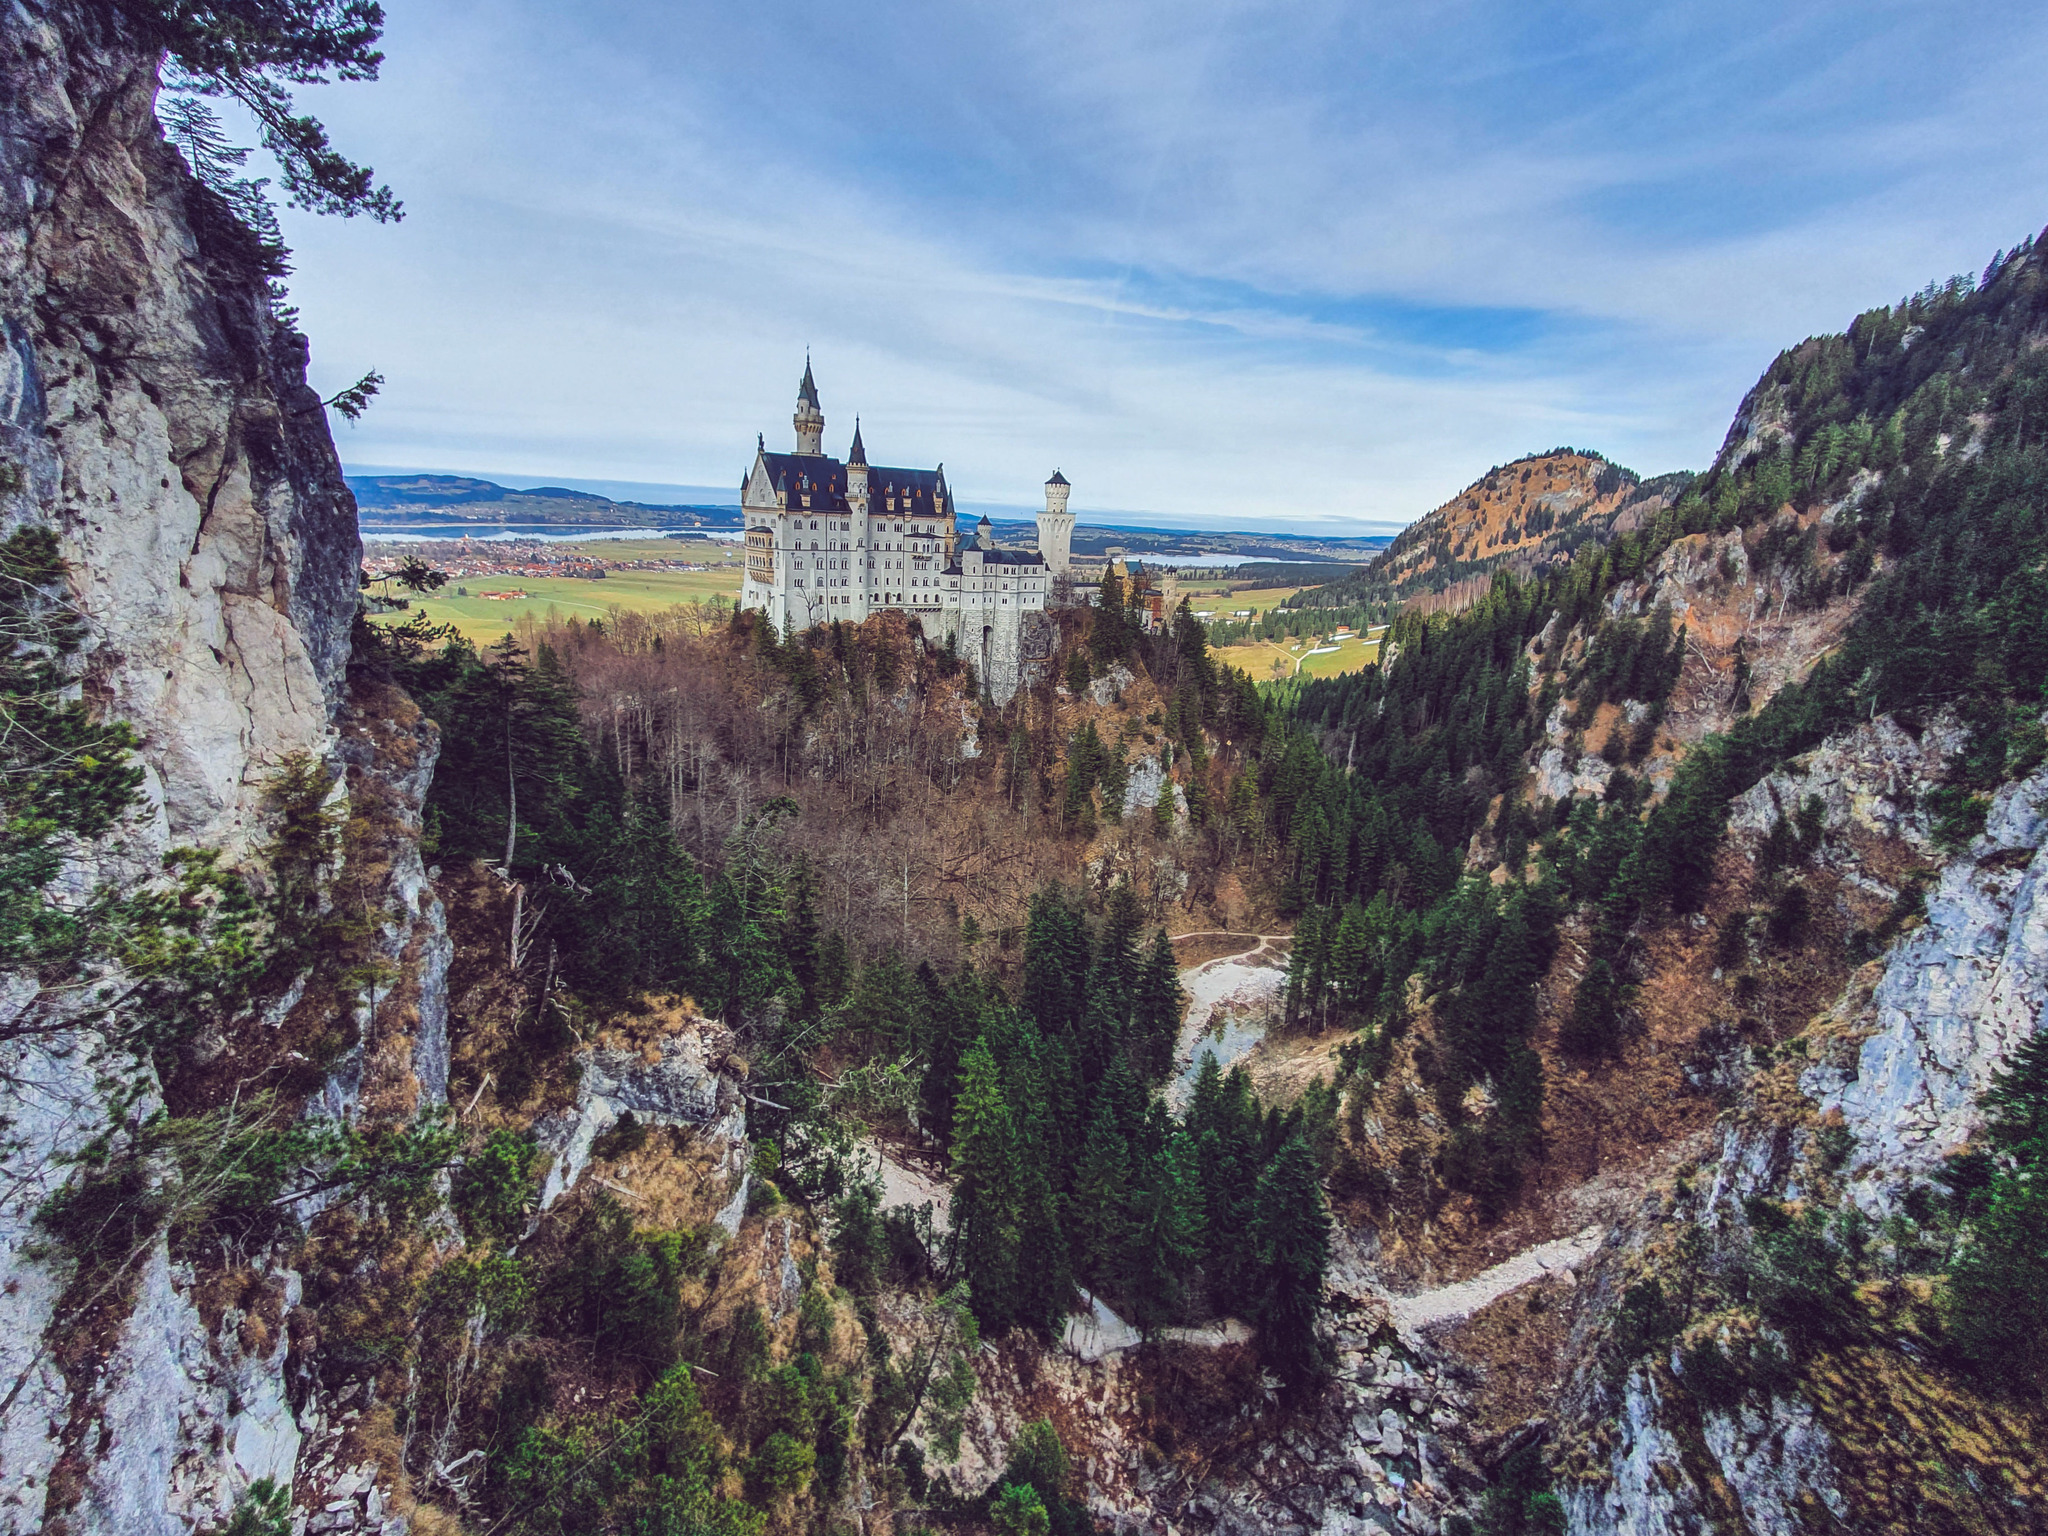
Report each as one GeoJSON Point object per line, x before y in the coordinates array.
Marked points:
{"type": "Point", "coordinates": [1740, 780]}
{"type": "Point", "coordinates": [1528, 517]}
{"type": "Point", "coordinates": [449, 1090]}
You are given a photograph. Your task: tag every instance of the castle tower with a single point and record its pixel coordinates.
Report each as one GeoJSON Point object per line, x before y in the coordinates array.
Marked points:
{"type": "Point", "coordinates": [1056, 526]}
{"type": "Point", "coordinates": [857, 474]}
{"type": "Point", "coordinates": [810, 416]}
{"type": "Point", "coordinates": [984, 534]}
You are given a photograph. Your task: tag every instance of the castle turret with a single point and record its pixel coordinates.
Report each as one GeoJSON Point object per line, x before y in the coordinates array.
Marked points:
{"type": "Point", "coordinates": [857, 474]}
{"type": "Point", "coordinates": [1056, 526]}
{"type": "Point", "coordinates": [984, 534]}
{"type": "Point", "coordinates": [810, 416]}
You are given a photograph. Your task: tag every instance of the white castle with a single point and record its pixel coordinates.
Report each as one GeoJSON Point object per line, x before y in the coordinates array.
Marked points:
{"type": "Point", "coordinates": [829, 540]}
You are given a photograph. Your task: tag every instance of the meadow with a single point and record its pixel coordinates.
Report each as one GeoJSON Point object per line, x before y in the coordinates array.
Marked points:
{"type": "Point", "coordinates": [483, 620]}
{"type": "Point", "coordinates": [1303, 658]}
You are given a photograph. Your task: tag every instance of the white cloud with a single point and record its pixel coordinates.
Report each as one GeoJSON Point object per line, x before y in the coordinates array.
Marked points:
{"type": "Point", "coordinates": [1236, 260]}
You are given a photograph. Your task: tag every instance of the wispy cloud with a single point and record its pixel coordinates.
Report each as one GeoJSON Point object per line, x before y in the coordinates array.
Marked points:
{"type": "Point", "coordinates": [1247, 260]}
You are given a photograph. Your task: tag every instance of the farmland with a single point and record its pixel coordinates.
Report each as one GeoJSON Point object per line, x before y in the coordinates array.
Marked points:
{"type": "Point", "coordinates": [484, 619]}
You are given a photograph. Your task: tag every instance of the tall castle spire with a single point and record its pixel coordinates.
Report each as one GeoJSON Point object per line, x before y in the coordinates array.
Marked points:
{"type": "Point", "coordinates": [810, 416]}
{"type": "Point", "coordinates": [857, 474]}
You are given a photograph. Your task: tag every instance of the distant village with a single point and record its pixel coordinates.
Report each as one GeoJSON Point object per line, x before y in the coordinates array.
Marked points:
{"type": "Point", "coordinates": [493, 560]}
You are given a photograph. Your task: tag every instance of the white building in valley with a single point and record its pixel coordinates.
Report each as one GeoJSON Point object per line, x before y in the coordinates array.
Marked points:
{"type": "Point", "coordinates": [827, 539]}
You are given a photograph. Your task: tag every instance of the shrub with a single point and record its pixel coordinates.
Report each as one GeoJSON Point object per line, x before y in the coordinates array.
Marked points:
{"type": "Point", "coordinates": [490, 1191]}
{"type": "Point", "coordinates": [782, 1465]}
{"type": "Point", "coordinates": [264, 1509]}
{"type": "Point", "coordinates": [1998, 1288]}
{"type": "Point", "coordinates": [1643, 1323]}
{"type": "Point", "coordinates": [627, 1135]}
{"type": "Point", "coordinates": [1798, 1277]}
{"type": "Point", "coordinates": [1019, 1512]}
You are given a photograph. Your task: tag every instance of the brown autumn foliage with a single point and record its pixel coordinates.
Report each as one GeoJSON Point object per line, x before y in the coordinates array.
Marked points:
{"type": "Point", "coordinates": [920, 803]}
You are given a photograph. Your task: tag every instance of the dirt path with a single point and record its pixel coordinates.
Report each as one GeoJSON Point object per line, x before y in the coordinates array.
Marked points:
{"type": "Point", "coordinates": [1454, 1303]}
{"type": "Point", "coordinates": [1262, 947]}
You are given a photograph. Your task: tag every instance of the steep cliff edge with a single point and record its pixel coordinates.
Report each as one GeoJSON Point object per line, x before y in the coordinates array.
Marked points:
{"type": "Point", "coordinates": [154, 414]}
{"type": "Point", "coordinates": [160, 420]}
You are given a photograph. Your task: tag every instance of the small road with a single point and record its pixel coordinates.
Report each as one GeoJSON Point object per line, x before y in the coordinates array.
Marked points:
{"type": "Point", "coordinates": [1262, 943]}
{"type": "Point", "coordinates": [1455, 1303]}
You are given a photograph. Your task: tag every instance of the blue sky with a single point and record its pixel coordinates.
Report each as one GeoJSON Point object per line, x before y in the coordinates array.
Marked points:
{"type": "Point", "coordinates": [1236, 264]}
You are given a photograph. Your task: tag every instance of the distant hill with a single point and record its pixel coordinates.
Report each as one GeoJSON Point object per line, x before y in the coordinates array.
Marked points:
{"type": "Point", "coordinates": [1162, 546]}
{"type": "Point", "coordinates": [1527, 516]}
{"type": "Point", "coordinates": [453, 500]}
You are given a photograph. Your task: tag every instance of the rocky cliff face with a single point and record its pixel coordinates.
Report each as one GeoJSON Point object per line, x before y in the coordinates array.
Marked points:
{"type": "Point", "coordinates": [155, 415]}
{"type": "Point", "coordinates": [163, 425]}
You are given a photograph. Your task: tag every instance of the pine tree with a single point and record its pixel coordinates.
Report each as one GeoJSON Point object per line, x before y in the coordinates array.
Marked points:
{"type": "Point", "coordinates": [1156, 1009]}
{"type": "Point", "coordinates": [1113, 981]}
{"type": "Point", "coordinates": [1223, 1118]}
{"type": "Point", "coordinates": [1165, 1235]}
{"type": "Point", "coordinates": [1291, 1237]}
{"type": "Point", "coordinates": [1085, 760]}
{"type": "Point", "coordinates": [1108, 639]}
{"type": "Point", "coordinates": [1098, 1225]}
{"type": "Point", "coordinates": [802, 938]}
{"type": "Point", "coordinates": [1191, 640]}
{"type": "Point", "coordinates": [1055, 964]}
{"type": "Point", "coordinates": [985, 1205]}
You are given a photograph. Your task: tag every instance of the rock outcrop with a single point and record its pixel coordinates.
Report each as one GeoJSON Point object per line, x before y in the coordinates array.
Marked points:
{"type": "Point", "coordinates": [154, 413]}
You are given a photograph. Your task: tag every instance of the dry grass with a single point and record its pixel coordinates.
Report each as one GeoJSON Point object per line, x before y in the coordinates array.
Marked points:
{"type": "Point", "coordinates": [1520, 1346]}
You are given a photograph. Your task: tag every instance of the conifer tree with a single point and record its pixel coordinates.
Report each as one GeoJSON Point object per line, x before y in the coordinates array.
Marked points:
{"type": "Point", "coordinates": [1165, 1235]}
{"type": "Point", "coordinates": [1055, 964]}
{"type": "Point", "coordinates": [802, 937]}
{"type": "Point", "coordinates": [985, 1206]}
{"type": "Point", "coordinates": [1098, 1223]}
{"type": "Point", "coordinates": [1108, 639]}
{"type": "Point", "coordinates": [1162, 810]}
{"type": "Point", "coordinates": [1085, 760]}
{"type": "Point", "coordinates": [1045, 1280]}
{"type": "Point", "coordinates": [1115, 976]}
{"type": "Point", "coordinates": [1291, 1237]}
{"type": "Point", "coordinates": [1155, 1009]}
{"type": "Point", "coordinates": [1223, 1118]}
{"type": "Point", "coordinates": [1191, 640]}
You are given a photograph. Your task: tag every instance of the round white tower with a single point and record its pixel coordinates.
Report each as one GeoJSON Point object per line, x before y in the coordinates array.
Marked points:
{"type": "Point", "coordinates": [1056, 526]}
{"type": "Point", "coordinates": [810, 416]}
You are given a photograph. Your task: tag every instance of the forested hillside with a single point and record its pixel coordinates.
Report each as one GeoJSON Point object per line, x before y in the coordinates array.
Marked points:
{"type": "Point", "coordinates": [1528, 517]}
{"type": "Point", "coordinates": [660, 1075]}
{"type": "Point", "coordinates": [1487, 846]}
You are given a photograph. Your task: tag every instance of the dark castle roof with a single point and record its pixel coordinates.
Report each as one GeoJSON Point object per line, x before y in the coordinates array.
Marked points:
{"type": "Point", "coordinates": [1020, 557]}
{"type": "Point", "coordinates": [917, 492]}
{"type": "Point", "coordinates": [807, 392]}
{"type": "Point", "coordinates": [1057, 479]}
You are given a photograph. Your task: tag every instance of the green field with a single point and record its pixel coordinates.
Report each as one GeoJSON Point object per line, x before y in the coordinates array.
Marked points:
{"type": "Point", "coordinates": [1220, 603]}
{"type": "Point", "coordinates": [1295, 658]}
{"type": "Point", "coordinates": [484, 620]}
